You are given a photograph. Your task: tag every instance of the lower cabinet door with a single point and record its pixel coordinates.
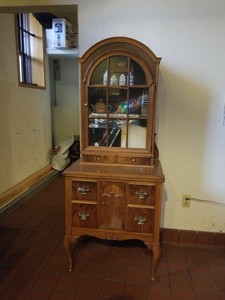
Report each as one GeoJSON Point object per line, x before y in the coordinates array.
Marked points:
{"type": "Point", "coordinates": [84, 215]}
{"type": "Point", "coordinates": [111, 205]}
{"type": "Point", "coordinates": [139, 220]}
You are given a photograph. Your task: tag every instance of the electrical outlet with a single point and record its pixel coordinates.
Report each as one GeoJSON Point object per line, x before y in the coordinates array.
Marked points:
{"type": "Point", "coordinates": [186, 202]}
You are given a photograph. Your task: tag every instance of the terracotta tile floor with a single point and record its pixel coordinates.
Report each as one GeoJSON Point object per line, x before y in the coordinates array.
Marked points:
{"type": "Point", "coordinates": [33, 263]}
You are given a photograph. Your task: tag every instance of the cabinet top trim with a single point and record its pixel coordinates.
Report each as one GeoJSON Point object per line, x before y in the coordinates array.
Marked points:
{"type": "Point", "coordinates": [127, 173]}
{"type": "Point", "coordinates": [120, 42]}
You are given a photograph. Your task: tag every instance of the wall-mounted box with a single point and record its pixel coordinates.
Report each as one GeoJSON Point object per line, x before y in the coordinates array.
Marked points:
{"type": "Point", "coordinates": [61, 30]}
{"type": "Point", "coordinates": [73, 40]}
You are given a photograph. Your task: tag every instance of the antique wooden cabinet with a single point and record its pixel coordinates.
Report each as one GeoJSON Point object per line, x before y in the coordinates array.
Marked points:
{"type": "Point", "coordinates": [114, 190]}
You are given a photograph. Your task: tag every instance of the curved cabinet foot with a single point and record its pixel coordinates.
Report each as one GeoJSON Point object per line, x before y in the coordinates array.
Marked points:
{"type": "Point", "coordinates": [156, 251]}
{"type": "Point", "coordinates": [68, 242]}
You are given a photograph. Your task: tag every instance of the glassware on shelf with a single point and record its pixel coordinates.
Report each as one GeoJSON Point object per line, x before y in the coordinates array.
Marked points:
{"type": "Point", "coordinates": [131, 79]}
{"type": "Point", "coordinates": [105, 78]}
{"type": "Point", "coordinates": [122, 79]}
{"type": "Point", "coordinates": [101, 107]}
{"type": "Point", "coordinates": [114, 80]}
{"type": "Point", "coordinates": [132, 106]}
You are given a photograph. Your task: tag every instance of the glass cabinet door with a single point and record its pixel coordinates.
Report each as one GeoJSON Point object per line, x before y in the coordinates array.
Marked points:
{"type": "Point", "coordinates": [118, 104]}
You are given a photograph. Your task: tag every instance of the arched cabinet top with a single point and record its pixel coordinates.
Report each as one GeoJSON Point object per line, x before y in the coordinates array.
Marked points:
{"type": "Point", "coordinates": [120, 45]}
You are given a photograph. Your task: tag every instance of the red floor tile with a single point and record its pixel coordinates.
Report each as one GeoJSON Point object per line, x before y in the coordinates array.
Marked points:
{"type": "Point", "coordinates": [181, 294]}
{"type": "Point", "coordinates": [33, 262]}
{"type": "Point", "coordinates": [115, 273]}
{"type": "Point", "coordinates": [112, 289]}
{"type": "Point", "coordinates": [206, 295]}
{"type": "Point", "coordinates": [203, 283]}
{"type": "Point", "coordinates": [62, 296]}
{"type": "Point", "coordinates": [89, 286]}
{"type": "Point", "coordinates": [37, 294]}
{"type": "Point", "coordinates": [156, 293]}
{"type": "Point", "coordinates": [200, 268]}
{"type": "Point", "coordinates": [47, 281]}
{"type": "Point", "coordinates": [181, 280]}
{"type": "Point", "coordinates": [67, 283]}
{"type": "Point", "coordinates": [87, 297]}
{"type": "Point", "coordinates": [136, 291]}
{"type": "Point", "coordinates": [137, 275]}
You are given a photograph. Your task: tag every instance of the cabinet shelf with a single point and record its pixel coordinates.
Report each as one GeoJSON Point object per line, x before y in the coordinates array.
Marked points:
{"type": "Point", "coordinates": [113, 86]}
{"type": "Point", "coordinates": [114, 116]}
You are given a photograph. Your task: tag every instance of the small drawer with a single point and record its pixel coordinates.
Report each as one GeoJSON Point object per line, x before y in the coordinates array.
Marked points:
{"type": "Point", "coordinates": [135, 160]}
{"type": "Point", "coordinates": [84, 215]}
{"type": "Point", "coordinates": [107, 159]}
{"type": "Point", "coordinates": [140, 220]}
{"type": "Point", "coordinates": [84, 190]}
{"type": "Point", "coordinates": [141, 194]}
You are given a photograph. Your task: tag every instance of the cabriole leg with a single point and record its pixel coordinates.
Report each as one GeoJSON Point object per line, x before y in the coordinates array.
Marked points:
{"type": "Point", "coordinates": [156, 251]}
{"type": "Point", "coordinates": [68, 242]}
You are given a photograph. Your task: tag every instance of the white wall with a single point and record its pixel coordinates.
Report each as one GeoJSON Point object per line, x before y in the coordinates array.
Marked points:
{"type": "Point", "coordinates": [189, 36]}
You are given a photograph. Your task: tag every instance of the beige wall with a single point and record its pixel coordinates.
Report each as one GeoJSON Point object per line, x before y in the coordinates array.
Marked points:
{"type": "Point", "coordinates": [25, 124]}
{"type": "Point", "coordinates": [189, 36]}
{"type": "Point", "coordinates": [65, 100]}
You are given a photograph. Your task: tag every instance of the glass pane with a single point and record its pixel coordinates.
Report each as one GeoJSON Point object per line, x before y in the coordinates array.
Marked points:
{"type": "Point", "coordinates": [138, 74]}
{"type": "Point", "coordinates": [103, 132]}
{"type": "Point", "coordinates": [99, 75]}
{"type": "Point", "coordinates": [136, 105]}
{"type": "Point", "coordinates": [138, 102]}
{"type": "Point", "coordinates": [118, 70]}
{"type": "Point", "coordinates": [117, 97]}
{"type": "Point", "coordinates": [97, 130]}
{"type": "Point", "coordinates": [137, 130]}
{"type": "Point", "coordinates": [97, 101]}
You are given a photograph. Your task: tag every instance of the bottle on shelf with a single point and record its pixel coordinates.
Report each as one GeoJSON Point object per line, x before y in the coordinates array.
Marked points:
{"type": "Point", "coordinates": [114, 80]}
{"type": "Point", "coordinates": [131, 78]}
{"type": "Point", "coordinates": [105, 78]}
{"type": "Point", "coordinates": [122, 79]}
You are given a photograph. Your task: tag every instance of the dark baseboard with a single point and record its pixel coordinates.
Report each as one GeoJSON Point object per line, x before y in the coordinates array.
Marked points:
{"type": "Point", "coordinates": [192, 238]}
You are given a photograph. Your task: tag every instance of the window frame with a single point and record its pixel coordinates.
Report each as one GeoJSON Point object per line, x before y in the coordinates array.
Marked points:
{"type": "Point", "coordinates": [30, 51]}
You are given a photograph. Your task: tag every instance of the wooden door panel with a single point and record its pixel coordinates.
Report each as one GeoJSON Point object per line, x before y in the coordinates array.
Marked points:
{"type": "Point", "coordinates": [111, 205]}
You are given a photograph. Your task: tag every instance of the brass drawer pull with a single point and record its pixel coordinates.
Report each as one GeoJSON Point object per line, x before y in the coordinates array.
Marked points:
{"type": "Point", "coordinates": [83, 190]}
{"type": "Point", "coordinates": [141, 194]}
{"type": "Point", "coordinates": [140, 220]}
{"type": "Point", "coordinates": [83, 215]}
